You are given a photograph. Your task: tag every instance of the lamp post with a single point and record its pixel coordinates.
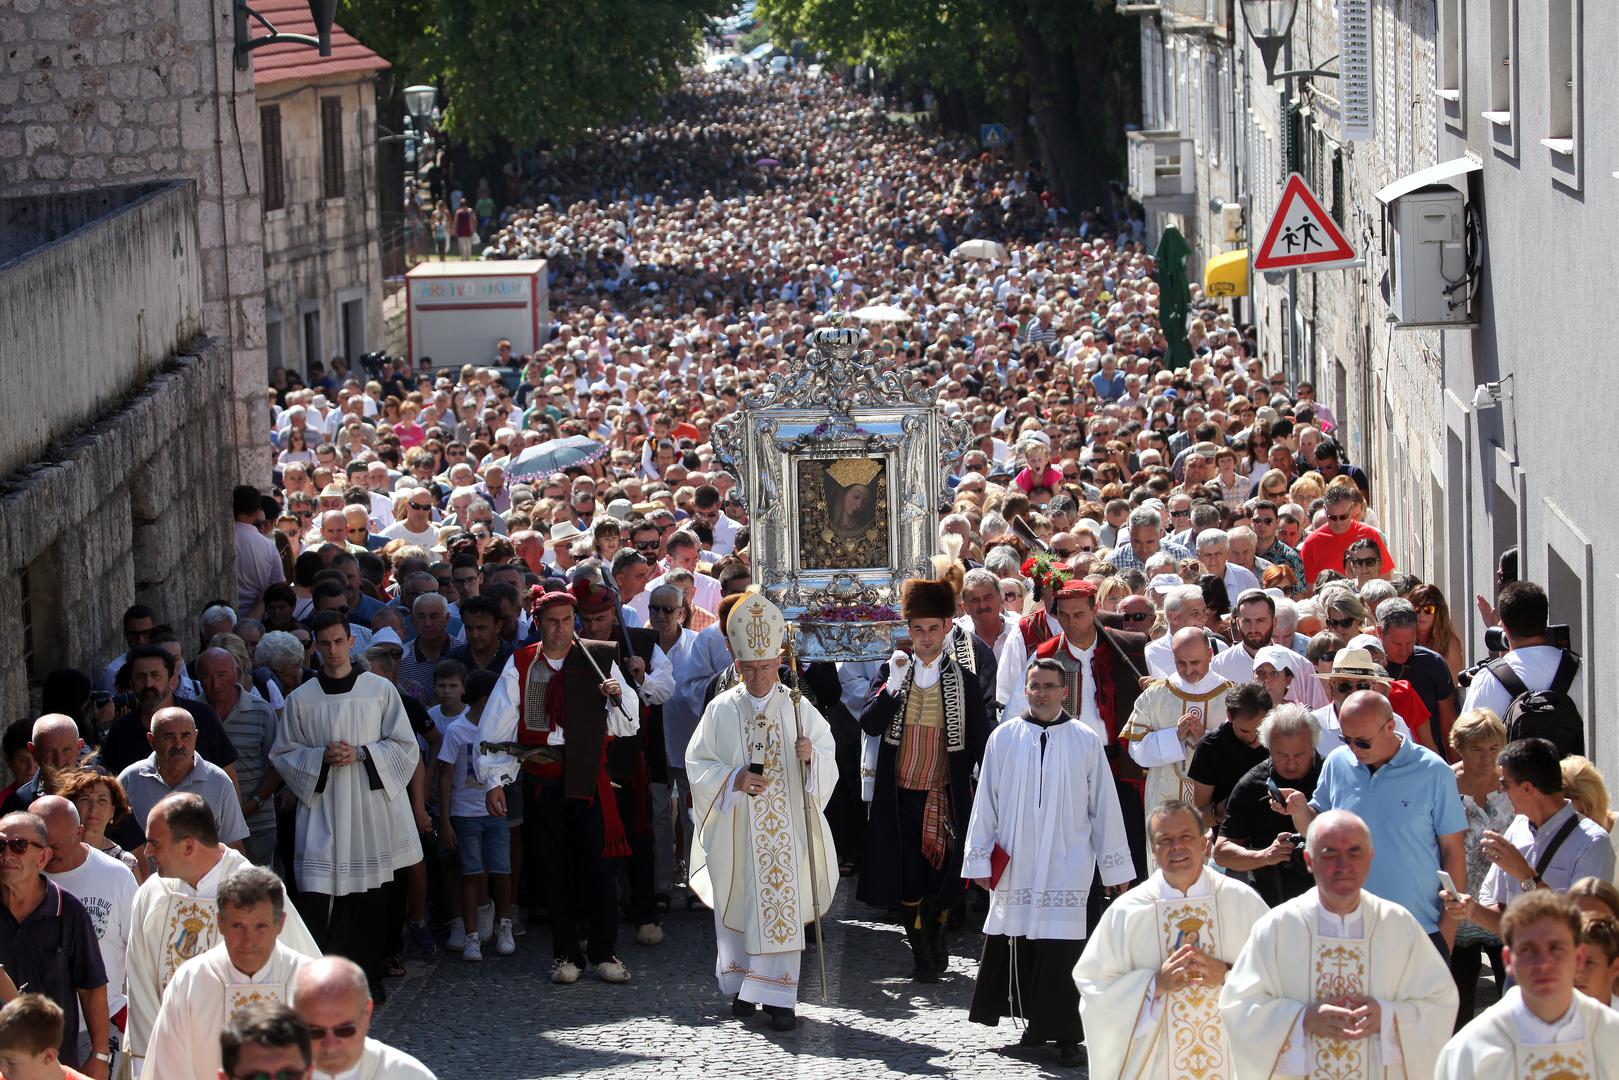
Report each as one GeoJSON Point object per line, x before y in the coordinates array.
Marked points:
{"type": "Point", "coordinates": [420, 101]}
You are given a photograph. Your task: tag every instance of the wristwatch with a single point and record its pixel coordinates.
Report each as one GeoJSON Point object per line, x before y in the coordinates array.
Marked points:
{"type": "Point", "coordinates": [1531, 884]}
{"type": "Point", "coordinates": [104, 1057]}
{"type": "Point", "coordinates": [363, 754]}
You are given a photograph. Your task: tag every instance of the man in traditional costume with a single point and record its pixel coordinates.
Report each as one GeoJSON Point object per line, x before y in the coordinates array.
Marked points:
{"type": "Point", "coordinates": [176, 916]}
{"type": "Point", "coordinates": [929, 714]}
{"type": "Point", "coordinates": [1338, 983]}
{"type": "Point", "coordinates": [961, 640]}
{"type": "Point", "coordinates": [553, 701]}
{"type": "Point", "coordinates": [1542, 1027]}
{"type": "Point", "coordinates": [346, 749]}
{"type": "Point", "coordinates": [1150, 977]}
{"type": "Point", "coordinates": [1045, 825]}
{"type": "Point", "coordinates": [755, 758]}
{"type": "Point", "coordinates": [249, 966]}
{"type": "Point", "coordinates": [1172, 714]}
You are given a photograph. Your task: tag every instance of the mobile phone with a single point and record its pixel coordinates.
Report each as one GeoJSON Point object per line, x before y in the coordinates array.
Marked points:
{"type": "Point", "coordinates": [1275, 792]}
{"type": "Point", "coordinates": [1448, 885]}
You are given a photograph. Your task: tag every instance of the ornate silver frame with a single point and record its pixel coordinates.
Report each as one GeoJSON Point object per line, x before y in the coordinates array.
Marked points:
{"type": "Point", "coordinates": [841, 401]}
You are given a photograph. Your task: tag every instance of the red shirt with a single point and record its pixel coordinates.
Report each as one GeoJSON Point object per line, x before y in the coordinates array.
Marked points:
{"type": "Point", "coordinates": [1324, 549]}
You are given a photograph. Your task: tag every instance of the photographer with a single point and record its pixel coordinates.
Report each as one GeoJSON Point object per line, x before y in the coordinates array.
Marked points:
{"type": "Point", "coordinates": [1533, 659]}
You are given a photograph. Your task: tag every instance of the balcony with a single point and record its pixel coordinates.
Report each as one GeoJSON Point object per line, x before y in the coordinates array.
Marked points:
{"type": "Point", "coordinates": [1137, 7]}
{"type": "Point", "coordinates": [1162, 169]}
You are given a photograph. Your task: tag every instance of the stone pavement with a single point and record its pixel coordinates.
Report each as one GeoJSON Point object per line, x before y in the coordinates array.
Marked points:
{"type": "Point", "coordinates": [503, 1020]}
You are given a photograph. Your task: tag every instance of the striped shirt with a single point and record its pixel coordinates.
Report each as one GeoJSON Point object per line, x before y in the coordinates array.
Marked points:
{"type": "Point", "coordinates": [415, 679]}
{"type": "Point", "coordinates": [1124, 556]}
{"type": "Point", "coordinates": [251, 729]}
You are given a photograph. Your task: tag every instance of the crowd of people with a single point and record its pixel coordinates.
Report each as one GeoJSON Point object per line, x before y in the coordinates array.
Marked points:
{"type": "Point", "coordinates": [1166, 693]}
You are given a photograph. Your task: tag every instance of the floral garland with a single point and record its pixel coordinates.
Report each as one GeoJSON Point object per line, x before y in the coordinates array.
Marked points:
{"type": "Point", "coordinates": [833, 613]}
{"type": "Point", "coordinates": [1046, 572]}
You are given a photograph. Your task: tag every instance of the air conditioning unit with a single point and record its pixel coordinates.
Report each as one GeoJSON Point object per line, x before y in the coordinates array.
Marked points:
{"type": "Point", "coordinates": [1231, 222]}
{"type": "Point", "coordinates": [1429, 271]}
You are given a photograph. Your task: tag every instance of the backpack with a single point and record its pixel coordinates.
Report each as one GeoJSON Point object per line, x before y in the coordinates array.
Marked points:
{"type": "Point", "coordinates": [1543, 714]}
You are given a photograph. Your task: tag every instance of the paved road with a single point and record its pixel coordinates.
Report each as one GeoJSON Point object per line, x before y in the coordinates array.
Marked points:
{"type": "Point", "coordinates": [503, 1020]}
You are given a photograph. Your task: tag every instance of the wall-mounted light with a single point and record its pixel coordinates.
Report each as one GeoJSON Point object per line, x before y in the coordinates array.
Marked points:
{"type": "Point", "coordinates": [323, 12]}
{"type": "Point", "coordinates": [1487, 395]}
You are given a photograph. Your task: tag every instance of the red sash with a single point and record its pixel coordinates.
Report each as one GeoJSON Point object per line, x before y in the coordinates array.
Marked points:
{"type": "Point", "coordinates": [1035, 628]}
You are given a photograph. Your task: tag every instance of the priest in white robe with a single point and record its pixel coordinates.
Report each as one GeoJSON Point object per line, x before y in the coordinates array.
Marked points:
{"type": "Point", "coordinates": [1150, 977]}
{"type": "Point", "coordinates": [175, 916]}
{"type": "Point", "coordinates": [1171, 715]}
{"type": "Point", "coordinates": [1338, 983]}
{"type": "Point", "coordinates": [332, 996]}
{"type": "Point", "coordinates": [347, 752]}
{"type": "Point", "coordinates": [1045, 818]}
{"type": "Point", "coordinates": [754, 758]}
{"type": "Point", "coordinates": [1542, 1027]}
{"type": "Point", "coordinates": [250, 966]}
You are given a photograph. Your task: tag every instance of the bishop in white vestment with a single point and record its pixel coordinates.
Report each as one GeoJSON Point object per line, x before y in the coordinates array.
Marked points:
{"type": "Point", "coordinates": [1149, 979]}
{"type": "Point", "coordinates": [1543, 1028]}
{"type": "Point", "coordinates": [1338, 983]}
{"type": "Point", "coordinates": [1045, 817]}
{"type": "Point", "coordinates": [1171, 715]}
{"type": "Point", "coordinates": [751, 861]}
{"type": "Point", "coordinates": [176, 912]}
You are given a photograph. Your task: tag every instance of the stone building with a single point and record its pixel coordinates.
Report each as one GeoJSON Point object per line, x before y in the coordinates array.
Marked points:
{"type": "Point", "coordinates": [317, 136]}
{"type": "Point", "coordinates": [132, 364]}
{"type": "Point", "coordinates": [1508, 107]}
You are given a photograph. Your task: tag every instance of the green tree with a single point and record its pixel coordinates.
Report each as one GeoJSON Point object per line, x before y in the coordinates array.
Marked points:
{"type": "Point", "coordinates": [1073, 64]}
{"type": "Point", "coordinates": [527, 70]}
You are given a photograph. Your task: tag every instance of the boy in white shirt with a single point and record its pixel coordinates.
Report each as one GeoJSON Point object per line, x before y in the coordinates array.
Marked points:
{"type": "Point", "coordinates": [466, 826]}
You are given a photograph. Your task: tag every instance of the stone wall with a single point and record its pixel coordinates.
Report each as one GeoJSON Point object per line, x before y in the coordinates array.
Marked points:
{"type": "Point", "coordinates": [92, 311]}
{"type": "Point", "coordinates": [134, 509]}
{"type": "Point", "coordinates": [93, 94]}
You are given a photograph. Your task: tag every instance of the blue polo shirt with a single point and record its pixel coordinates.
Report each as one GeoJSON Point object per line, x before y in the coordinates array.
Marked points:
{"type": "Point", "coordinates": [1408, 803]}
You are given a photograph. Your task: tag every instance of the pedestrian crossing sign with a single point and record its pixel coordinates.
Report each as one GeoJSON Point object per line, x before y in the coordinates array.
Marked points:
{"type": "Point", "coordinates": [994, 136]}
{"type": "Point", "coordinates": [1302, 236]}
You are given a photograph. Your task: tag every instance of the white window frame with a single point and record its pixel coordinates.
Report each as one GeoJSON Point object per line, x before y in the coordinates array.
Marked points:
{"type": "Point", "coordinates": [1451, 66]}
{"type": "Point", "coordinates": [1565, 91]}
{"type": "Point", "coordinates": [1502, 87]}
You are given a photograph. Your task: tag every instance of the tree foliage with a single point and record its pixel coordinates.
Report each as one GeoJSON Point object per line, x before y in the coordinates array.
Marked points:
{"type": "Point", "coordinates": [1075, 62]}
{"type": "Point", "coordinates": [530, 70]}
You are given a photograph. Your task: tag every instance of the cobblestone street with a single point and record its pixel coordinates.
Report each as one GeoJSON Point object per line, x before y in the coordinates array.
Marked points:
{"type": "Point", "coordinates": [503, 1020]}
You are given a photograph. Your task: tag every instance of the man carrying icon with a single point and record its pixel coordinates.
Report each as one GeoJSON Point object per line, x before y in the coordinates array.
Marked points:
{"type": "Point", "coordinates": [755, 758]}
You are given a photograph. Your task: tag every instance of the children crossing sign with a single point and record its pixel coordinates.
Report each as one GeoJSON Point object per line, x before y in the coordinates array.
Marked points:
{"type": "Point", "coordinates": [1302, 236]}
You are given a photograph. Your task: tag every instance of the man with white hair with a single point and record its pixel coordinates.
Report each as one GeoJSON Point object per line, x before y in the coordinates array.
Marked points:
{"type": "Point", "coordinates": [1337, 981]}
{"type": "Point", "coordinates": [430, 616]}
{"type": "Point", "coordinates": [1213, 550]}
{"type": "Point", "coordinates": [332, 996]}
{"type": "Point", "coordinates": [1286, 630]}
{"type": "Point", "coordinates": [1146, 531]}
{"type": "Point", "coordinates": [986, 613]}
{"type": "Point", "coordinates": [1253, 838]}
{"type": "Point", "coordinates": [416, 527]}
{"type": "Point", "coordinates": [1183, 607]}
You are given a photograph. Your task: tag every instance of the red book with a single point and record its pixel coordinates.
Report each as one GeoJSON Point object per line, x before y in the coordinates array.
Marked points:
{"type": "Point", "coordinates": [998, 859]}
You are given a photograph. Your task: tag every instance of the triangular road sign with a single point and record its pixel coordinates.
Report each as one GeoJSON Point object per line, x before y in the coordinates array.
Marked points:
{"type": "Point", "coordinates": [1302, 236]}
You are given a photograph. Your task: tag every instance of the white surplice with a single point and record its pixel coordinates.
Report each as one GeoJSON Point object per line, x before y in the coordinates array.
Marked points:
{"type": "Point", "coordinates": [204, 994]}
{"type": "Point", "coordinates": [1153, 737]}
{"type": "Point", "coordinates": [351, 838]}
{"type": "Point", "coordinates": [171, 924]}
{"type": "Point", "coordinates": [750, 861]}
{"type": "Point", "coordinates": [1508, 1042]}
{"type": "Point", "coordinates": [1378, 951]}
{"type": "Point", "coordinates": [1132, 1031]}
{"type": "Point", "coordinates": [379, 1061]}
{"type": "Point", "coordinates": [1046, 797]}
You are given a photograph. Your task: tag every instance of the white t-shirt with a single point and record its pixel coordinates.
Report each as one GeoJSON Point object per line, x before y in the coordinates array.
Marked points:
{"type": "Point", "coordinates": [106, 888]}
{"type": "Point", "coordinates": [400, 531]}
{"type": "Point", "coordinates": [442, 721]}
{"type": "Point", "coordinates": [1535, 666]}
{"type": "Point", "coordinates": [466, 790]}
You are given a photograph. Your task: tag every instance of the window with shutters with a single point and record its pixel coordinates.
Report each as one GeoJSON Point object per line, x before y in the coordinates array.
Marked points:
{"type": "Point", "coordinates": [274, 165]}
{"type": "Point", "coordinates": [1502, 109]}
{"type": "Point", "coordinates": [1215, 127]}
{"type": "Point", "coordinates": [331, 147]}
{"type": "Point", "coordinates": [1563, 89]}
{"type": "Point", "coordinates": [1451, 68]}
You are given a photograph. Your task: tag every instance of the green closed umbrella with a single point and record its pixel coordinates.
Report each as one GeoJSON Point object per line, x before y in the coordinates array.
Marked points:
{"type": "Point", "coordinates": [1174, 295]}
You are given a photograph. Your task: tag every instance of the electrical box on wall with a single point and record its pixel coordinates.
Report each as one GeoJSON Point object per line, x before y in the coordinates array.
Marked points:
{"type": "Point", "coordinates": [1231, 222]}
{"type": "Point", "coordinates": [1431, 240]}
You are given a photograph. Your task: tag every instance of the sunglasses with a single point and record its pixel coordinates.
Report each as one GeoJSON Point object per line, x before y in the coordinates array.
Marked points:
{"type": "Point", "coordinates": [1362, 744]}
{"type": "Point", "coordinates": [1180, 513]}
{"type": "Point", "coordinates": [1368, 563]}
{"type": "Point", "coordinates": [1337, 517]}
{"type": "Point", "coordinates": [18, 845]}
{"type": "Point", "coordinates": [661, 609]}
{"type": "Point", "coordinates": [1342, 624]}
{"type": "Point", "coordinates": [1061, 554]}
{"type": "Point", "coordinates": [1429, 609]}
{"type": "Point", "coordinates": [421, 506]}
{"type": "Point", "coordinates": [341, 1031]}
{"type": "Point", "coordinates": [1137, 616]}
{"type": "Point", "coordinates": [1347, 687]}
{"type": "Point", "coordinates": [279, 1074]}
{"type": "Point", "coordinates": [646, 545]}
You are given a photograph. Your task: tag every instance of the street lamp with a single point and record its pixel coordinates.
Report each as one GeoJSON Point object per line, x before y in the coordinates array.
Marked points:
{"type": "Point", "coordinates": [321, 13]}
{"type": "Point", "coordinates": [419, 102]}
{"type": "Point", "coordinates": [1269, 23]}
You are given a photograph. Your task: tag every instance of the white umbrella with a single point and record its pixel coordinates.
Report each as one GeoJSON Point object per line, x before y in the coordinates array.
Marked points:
{"type": "Point", "coordinates": [881, 313]}
{"type": "Point", "coordinates": [980, 249]}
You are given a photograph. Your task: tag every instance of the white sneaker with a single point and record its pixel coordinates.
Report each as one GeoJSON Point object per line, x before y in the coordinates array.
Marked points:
{"type": "Point", "coordinates": [519, 927]}
{"type": "Point", "coordinates": [564, 971]}
{"type": "Point", "coordinates": [458, 935]}
{"type": "Point", "coordinates": [486, 921]}
{"type": "Point", "coordinates": [649, 934]}
{"type": "Point", "coordinates": [612, 971]}
{"type": "Point", "coordinates": [504, 945]}
{"type": "Point", "coordinates": [472, 950]}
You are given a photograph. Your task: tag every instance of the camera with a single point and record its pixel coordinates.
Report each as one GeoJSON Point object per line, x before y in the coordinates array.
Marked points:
{"type": "Point", "coordinates": [1495, 640]}
{"type": "Point", "coordinates": [122, 702]}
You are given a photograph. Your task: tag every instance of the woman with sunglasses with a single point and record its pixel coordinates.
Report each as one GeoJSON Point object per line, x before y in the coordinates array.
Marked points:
{"type": "Point", "coordinates": [1363, 560]}
{"type": "Point", "coordinates": [1434, 629]}
{"type": "Point", "coordinates": [297, 449]}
